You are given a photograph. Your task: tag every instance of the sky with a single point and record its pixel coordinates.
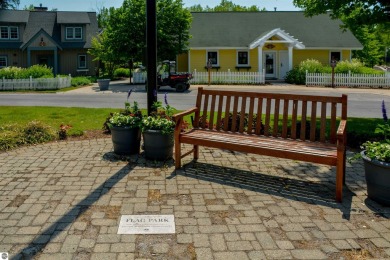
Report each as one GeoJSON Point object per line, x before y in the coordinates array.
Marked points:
{"type": "Point", "coordinates": [94, 5]}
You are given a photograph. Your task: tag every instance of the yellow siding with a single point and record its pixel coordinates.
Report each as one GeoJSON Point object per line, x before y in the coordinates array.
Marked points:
{"type": "Point", "coordinates": [345, 54]}
{"type": "Point", "coordinates": [227, 60]}
{"type": "Point", "coordinates": [198, 60]}
{"type": "Point", "coordinates": [182, 62]}
{"type": "Point", "coordinates": [301, 55]}
{"type": "Point", "coordinates": [253, 60]}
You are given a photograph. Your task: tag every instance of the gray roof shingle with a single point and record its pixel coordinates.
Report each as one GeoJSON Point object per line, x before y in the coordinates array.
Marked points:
{"type": "Point", "coordinates": [239, 29]}
{"type": "Point", "coordinates": [10, 16]}
{"type": "Point", "coordinates": [72, 18]}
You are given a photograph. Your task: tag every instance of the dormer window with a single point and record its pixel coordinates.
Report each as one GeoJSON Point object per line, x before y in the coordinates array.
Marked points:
{"type": "Point", "coordinates": [74, 33]}
{"type": "Point", "coordinates": [9, 32]}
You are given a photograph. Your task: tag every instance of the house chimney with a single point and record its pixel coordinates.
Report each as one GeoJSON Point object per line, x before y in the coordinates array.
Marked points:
{"type": "Point", "coordinates": [40, 8]}
{"type": "Point", "coordinates": [275, 9]}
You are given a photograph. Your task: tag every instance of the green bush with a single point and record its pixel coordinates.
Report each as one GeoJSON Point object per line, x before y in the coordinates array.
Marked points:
{"type": "Point", "coordinates": [311, 65]}
{"type": "Point", "coordinates": [35, 71]}
{"type": "Point", "coordinates": [121, 73]}
{"type": "Point", "coordinates": [36, 132]}
{"type": "Point", "coordinates": [296, 76]}
{"type": "Point", "coordinates": [80, 81]}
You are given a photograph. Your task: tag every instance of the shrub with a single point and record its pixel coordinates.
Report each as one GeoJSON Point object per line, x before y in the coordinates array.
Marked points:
{"type": "Point", "coordinates": [296, 76]}
{"type": "Point", "coordinates": [121, 73]}
{"type": "Point", "coordinates": [38, 71]}
{"type": "Point", "coordinates": [311, 65]}
{"type": "Point", "coordinates": [11, 72]}
{"type": "Point", "coordinates": [80, 81]}
{"type": "Point", "coordinates": [36, 132]}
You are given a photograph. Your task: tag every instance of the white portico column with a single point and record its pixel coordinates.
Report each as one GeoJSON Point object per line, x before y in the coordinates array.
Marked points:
{"type": "Point", "coordinates": [260, 57]}
{"type": "Point", "coordinates": [290, 57]}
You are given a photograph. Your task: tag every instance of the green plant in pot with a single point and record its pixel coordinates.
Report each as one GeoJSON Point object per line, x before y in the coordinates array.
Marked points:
{"type": "Point", "coordinates": [376, 158]}
{"type": "Point", "coordinates": [125, 129]}
{"type": "Point", "coordinates": [157, 131]}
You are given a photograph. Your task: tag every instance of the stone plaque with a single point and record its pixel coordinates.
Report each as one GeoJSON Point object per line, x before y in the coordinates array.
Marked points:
{"type": "Point", "coordinates": [147, 224]}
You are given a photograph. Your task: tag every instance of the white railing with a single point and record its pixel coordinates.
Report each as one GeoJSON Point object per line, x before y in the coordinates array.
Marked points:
{"type": "Point", "coordinates": [228, 77]}
{"type": "Point", "coordinates": [348, 80]}
{"type": "Point", "coordinates": [35, 84]}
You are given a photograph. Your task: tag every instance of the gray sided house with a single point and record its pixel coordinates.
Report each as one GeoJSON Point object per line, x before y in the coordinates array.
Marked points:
{"type": "Point", "coordinates": [57, 39]}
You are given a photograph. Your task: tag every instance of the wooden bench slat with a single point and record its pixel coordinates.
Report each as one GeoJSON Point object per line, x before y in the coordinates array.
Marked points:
{"type": "Point", "coordinates": [313, 123]}
{"type": "Point", "coordinates": [205, 106]}
{"type": "Point", "coordinates": [294, 120]}
{"type": "Point", "coordinates": [276, 118]}
{"type": "Point", "coordinates": [267, 116]}
{"type": "Point", "coordinates": [323, 122]}
{"type": "Point", "coordinates": [242, 116]}
{"type": "Point", "coordinates": [212, 109]}
{"type": "Point", "coordinates": [234, 118]}
{"type": "Point", "coordinates": [333, 129]}
{"type": "Point", "coordinates": [259, 116]}
{"type": "Point", "coordinates": [219, 115]}
{"type": "Point", "coordinates": [227, 110]}
{"type": "Point", "coordinates": [250, 115]}
{"type": "Point", "coordinates": [303, 121]}
{"type": "Point", "coordinates": [285, 118]}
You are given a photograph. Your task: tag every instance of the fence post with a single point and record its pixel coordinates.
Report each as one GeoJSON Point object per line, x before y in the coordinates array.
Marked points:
{"type": "Point", "coordinates": [31, 85]}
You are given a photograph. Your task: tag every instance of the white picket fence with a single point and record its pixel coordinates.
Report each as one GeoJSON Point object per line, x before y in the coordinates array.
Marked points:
{"type": "Point", "coordinates": [35, 84]}
{"type": "Point", "coordinates": [348, 80]}
{"type": "Point", "coordinates": [228, 77]}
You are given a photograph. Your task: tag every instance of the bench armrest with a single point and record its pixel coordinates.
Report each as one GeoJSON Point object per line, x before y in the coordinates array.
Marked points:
{"type": "Point", "coordinates": [180, 115]}
{"type": "Point", "coordinates": [342, 133]}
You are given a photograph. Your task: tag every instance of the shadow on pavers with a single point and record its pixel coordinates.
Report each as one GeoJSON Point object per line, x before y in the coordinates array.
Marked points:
{"type": "Point", "coordinates": [292, 189]}
{"type": "Point", "coordinates": [55, 229]}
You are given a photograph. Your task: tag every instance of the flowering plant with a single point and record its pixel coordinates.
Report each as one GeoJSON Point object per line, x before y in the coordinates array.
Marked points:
{"type": "Point", "coordinates": [380, 150]}
{"type": "Point", "coordinates": [161, 119]}
{"type": "Point", "coordinates": [130, 117]}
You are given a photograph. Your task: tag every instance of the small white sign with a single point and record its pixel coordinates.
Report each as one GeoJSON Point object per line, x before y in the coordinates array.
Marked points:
{"type": "Point", "coordinates": [147, 224]}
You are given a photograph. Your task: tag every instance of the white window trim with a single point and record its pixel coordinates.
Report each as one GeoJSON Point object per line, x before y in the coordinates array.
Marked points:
{"type": "Point", "coordinates": [207, 55]}
{"type": "Point", "coordinates": [242, 65]}
{"type": "Point", "coordinates": [73, 32]}
{"type": "Point", "coordinates": [330, 55]}
{"type": "Point", "coordinates": [6, 61]}
{"type": "Point", "coordinates": [78, 61]}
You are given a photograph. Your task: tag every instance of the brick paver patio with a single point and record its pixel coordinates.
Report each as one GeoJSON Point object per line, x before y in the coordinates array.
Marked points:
{"type": "Point", "coordinates": [64, 201]}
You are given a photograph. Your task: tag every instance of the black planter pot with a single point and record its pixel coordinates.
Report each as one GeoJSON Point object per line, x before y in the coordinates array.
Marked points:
{"type": "Point", "coordinates": [158, 146]}
{"type": "Point", "coordinates": [378, 180]}
{"type": "Point", "coordinates": [126, 140]}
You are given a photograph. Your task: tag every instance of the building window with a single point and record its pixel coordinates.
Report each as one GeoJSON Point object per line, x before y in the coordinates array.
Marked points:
{"type": "Point", "coordinates": [335, 55]}
{"type": "Point", "coordinates": [9, 32]}
{"type": "Point", "coordinates": [213, 56]}
{"type": "Point", "coordinates": [242, 58]}
{"type": "Point", "coordinates": [74, 33]}
{"type": "Point", "coordinates": [3, 61]}
{"type": "Point", "coordinates": [82, 61]}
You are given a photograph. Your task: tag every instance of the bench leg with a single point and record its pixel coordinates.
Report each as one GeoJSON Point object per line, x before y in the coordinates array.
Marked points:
{"type": "Point", "coordinates": [340, 175]}
{"type": "Point", "coordinates": [196, 152]}
{"type": "Point", "coordinates": [177, 154]}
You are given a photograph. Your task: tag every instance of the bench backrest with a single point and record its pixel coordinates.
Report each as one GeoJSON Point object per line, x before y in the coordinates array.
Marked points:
{"type": "Point", "coordinates": [305, 117]}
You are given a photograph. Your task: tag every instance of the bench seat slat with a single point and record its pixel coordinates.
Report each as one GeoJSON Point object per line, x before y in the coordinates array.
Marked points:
{"type": "Point", "coordinates": [286, 148]}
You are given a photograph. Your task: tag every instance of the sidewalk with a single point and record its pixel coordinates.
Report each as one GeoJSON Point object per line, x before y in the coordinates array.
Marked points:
{"type": "Point", "coordinates": [124, 86]}
{"type": "Point", "coordinates": [64, 201]}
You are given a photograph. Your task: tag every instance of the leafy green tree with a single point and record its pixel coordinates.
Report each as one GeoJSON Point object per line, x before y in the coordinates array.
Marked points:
{"type": "Point", "coordinates": [362, 12]}
{"type": "Point", "coordinates": [225, 6]}
{"type": "Point", "coordinates": [9, 4]}
{"type": "Point", "coordinates": [125, 30]}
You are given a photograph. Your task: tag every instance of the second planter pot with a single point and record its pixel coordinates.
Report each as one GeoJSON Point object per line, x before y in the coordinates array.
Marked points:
{"type": "Point", "coordinates": [158, 146]}
{"type": "Point", "coordinates": [126, 140]}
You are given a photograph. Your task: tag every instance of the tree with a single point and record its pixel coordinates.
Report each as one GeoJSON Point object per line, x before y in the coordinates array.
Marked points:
{"type": "Point", "coordinates": [125, 29]}
{"type": "Point", "coordinates": [9, 4]}
{"type": "Point", "coordinates": [225, 6]}
{"type": "Point", "coordinates": [362, 12]}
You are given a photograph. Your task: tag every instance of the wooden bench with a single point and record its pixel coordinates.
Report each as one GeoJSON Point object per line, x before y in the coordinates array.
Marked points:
{"type": "Point", "coordinates": [297, 127]}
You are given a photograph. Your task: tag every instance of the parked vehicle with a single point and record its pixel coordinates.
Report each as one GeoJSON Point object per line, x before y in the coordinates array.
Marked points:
{"type": "Point", "coordinates": [168, 76]}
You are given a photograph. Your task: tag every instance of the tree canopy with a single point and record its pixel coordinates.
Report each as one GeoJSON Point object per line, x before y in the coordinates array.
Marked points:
{"type": "Point", "coordinates": [9, 4]}
{"type": "Point", "coordinates": [224, 6]}
{"type": "Point", "coordinates": [362, 12]}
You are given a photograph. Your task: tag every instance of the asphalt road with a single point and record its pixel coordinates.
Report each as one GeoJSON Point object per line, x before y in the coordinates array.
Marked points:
{"type": "Point", "coordinates": [361, 102]}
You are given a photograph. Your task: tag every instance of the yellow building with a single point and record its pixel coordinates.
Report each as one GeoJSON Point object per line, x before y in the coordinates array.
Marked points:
{"type": "Point", "coordinates": [271, 41]}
